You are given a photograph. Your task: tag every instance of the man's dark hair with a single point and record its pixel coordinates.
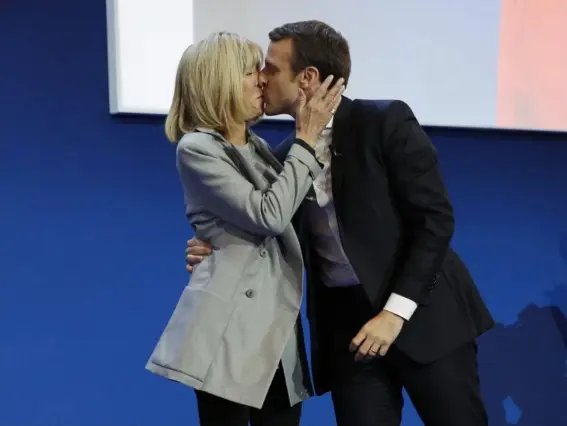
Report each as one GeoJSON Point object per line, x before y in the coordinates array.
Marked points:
{"type": "Point", "coordinates": [318, 45]}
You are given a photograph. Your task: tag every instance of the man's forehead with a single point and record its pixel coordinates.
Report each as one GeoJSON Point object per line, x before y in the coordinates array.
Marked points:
{"type": "Point", "coordinates": [279, 52]}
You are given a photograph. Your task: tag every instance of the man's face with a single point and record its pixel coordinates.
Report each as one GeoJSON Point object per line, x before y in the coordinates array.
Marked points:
{"type": "Point", "coordinates": [281, 86]}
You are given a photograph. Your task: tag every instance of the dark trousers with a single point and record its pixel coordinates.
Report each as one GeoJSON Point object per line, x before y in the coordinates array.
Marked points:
{"type": "Point", "coordinates": [276, 411]}
{"type": "Point", "coordinates": [444, 393]}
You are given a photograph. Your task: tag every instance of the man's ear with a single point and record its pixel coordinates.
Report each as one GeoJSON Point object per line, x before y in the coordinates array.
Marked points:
{"type": "Point", "coordinates": [308, 77]}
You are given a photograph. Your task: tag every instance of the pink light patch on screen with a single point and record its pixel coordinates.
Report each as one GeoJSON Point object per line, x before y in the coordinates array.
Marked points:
{"type": "Point", "coordinates": [532, 67]}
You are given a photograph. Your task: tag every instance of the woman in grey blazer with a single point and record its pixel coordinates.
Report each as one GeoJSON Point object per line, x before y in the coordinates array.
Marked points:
{"type": "Point", "coordinates": [234, 335]}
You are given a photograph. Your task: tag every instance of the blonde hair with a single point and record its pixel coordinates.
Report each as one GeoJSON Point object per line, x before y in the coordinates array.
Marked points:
{"type": "Point", "coordinates": [209, 84]}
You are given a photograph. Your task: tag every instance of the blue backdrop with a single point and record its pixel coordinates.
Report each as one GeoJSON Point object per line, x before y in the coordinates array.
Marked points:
{"type": "Point", "coordinates": [92, 236]}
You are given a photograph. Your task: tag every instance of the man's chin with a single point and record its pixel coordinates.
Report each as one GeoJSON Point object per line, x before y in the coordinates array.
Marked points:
{"type": "Point", "coordinates": [273, 113]}
{"type": "Point", "coordinates": [270, 113]}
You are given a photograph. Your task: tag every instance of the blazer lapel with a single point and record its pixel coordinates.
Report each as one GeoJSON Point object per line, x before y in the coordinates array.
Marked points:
{"type": "Point", "coordinates": [339, 144]}
{"type": "Point", "coordinates": [265, 153]}
{"type": "Point", "coordinates": [245, 168]}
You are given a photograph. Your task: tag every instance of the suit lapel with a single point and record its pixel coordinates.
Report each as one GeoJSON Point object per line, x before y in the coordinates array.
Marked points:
{"type": "Point", "coordinates": [339, 145]}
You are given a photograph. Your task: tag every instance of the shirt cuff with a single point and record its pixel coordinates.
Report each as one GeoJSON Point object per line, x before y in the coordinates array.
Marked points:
{"type": "Point", "coordinates": [401, 306]}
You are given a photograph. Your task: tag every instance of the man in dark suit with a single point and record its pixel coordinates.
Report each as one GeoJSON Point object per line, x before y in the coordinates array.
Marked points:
{"type": "Point", "coordinates": [390, 304]}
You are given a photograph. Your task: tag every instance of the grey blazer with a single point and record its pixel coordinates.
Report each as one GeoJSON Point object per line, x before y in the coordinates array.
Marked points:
{"type": "Point", "coordinates": [237, 317]}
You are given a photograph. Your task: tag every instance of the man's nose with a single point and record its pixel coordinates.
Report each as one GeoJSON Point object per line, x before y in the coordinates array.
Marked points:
{"type": "Point", "coordinates": [262, 80]}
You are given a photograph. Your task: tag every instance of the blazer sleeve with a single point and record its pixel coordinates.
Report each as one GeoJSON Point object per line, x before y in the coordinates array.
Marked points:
{"type": "Point", "coordinates": [229, 195]}
{"type": "Point", "coordinates": [421, 197]}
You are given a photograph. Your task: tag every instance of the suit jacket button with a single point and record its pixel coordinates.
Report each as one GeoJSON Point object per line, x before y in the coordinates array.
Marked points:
{"type": "Point", "coordinates": [250, 293]}
{"type": "Point", "coordinates": [263, 252]}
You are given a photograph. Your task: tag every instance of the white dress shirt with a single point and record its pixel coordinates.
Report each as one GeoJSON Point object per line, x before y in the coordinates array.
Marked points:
{"type": "Point", "coordinates": [335, 266]}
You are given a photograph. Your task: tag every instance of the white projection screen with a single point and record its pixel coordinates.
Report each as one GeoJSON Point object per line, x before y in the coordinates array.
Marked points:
{"type": "Point", "coordinates": [466, 63]}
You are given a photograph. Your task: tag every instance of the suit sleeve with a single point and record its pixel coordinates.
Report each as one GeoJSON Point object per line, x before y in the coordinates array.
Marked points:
{"type": "Point", "coordinates": [421, 197]}
{"type": "Point", "coordinates": [229, 195]}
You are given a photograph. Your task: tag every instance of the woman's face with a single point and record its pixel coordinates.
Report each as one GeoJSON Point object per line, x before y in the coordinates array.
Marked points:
{"type": "Point", "coordinates": [253, 94]}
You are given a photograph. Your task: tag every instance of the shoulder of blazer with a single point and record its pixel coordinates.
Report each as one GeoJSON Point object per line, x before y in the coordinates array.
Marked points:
{"type": "Point", "coordinates": [379, 119]}
{"type": "Point", "coordinates": [387, 112]}
{"type": "Point", "coordinates": [201, 141]}
{"type": "Point", "coordinates": [205, 140]}
{"type": "Point", "coordinates": [207, 146]}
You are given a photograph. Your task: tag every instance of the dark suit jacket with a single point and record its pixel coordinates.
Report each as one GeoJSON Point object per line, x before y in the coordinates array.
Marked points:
{"type": "Point", "coordinates": [396, 224]}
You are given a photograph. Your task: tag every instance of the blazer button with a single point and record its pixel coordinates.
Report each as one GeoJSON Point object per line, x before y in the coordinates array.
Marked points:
{"type": "Point", "coordinates": [250, 293]}
{"type": "Point", "coordinates": [263, 252]}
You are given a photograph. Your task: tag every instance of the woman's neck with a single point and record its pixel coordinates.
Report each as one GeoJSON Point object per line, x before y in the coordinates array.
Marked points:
{"type": "Point", "coordinates": [236, 135]}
